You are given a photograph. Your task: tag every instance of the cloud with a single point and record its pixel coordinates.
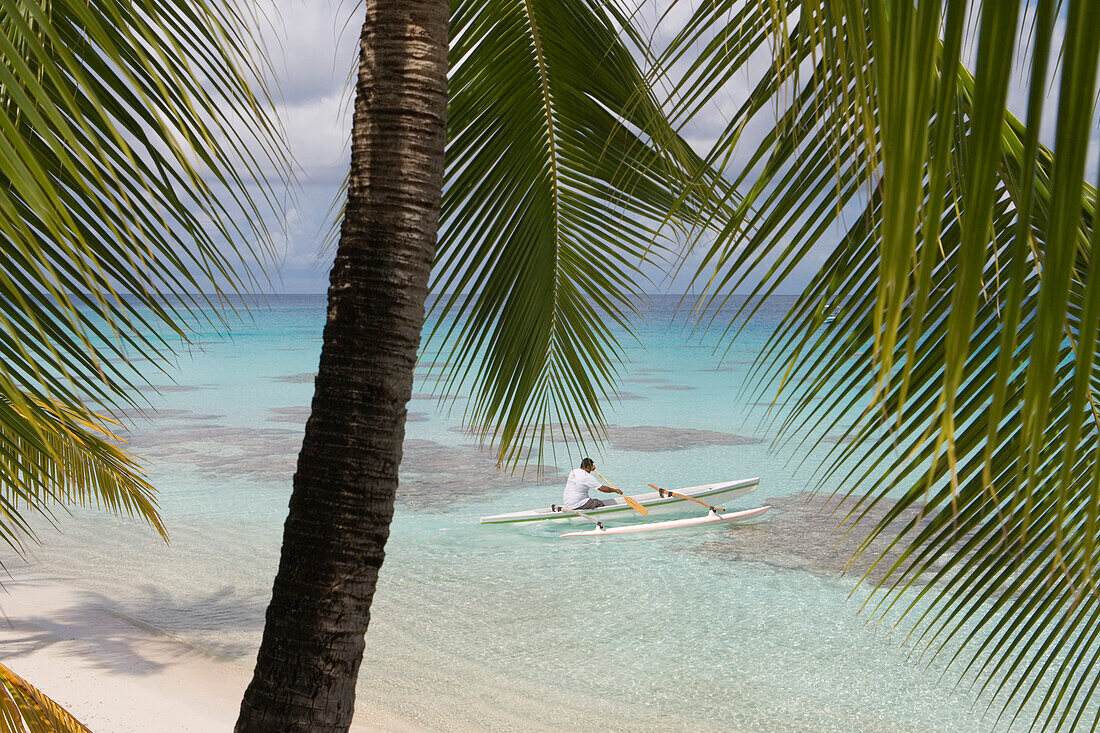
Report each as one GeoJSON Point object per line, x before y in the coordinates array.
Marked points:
{"type": "Point", "coordinates": [312, 47]}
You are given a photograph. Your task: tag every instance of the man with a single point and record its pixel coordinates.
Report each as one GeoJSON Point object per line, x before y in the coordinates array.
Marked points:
{"type": "Point", "coordinates": [577, 485]}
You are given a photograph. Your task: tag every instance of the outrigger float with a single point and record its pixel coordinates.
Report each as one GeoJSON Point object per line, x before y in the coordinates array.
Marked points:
{"type": "Point", "coordinates": [712, 517]}
{"type": "Point", "coordinates": [659, 502]}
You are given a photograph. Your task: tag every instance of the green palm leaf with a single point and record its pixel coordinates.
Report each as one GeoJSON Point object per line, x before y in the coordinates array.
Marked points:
{"type": "Point", "coordinates": [118, 178]}
{"type": "Point", "coordinates": [51, 457]}
{"type": "Point", "coordinates": [962, 358]}
{"type": "Point", "coordinates": [561, 169]}
{"type": "Point", "coordinates": [123, 172]}
{"type": "Point", "coordinates": [126, 189]}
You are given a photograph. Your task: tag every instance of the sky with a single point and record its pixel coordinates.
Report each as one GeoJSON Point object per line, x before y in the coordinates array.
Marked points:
{"type": "Point", "coordinates": [312, 47]}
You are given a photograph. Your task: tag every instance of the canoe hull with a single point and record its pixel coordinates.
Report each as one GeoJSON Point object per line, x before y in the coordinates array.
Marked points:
{"type": "Point", "coordinates": [688, 523]}
{"type": "Point", "coordinates": [716, 494]}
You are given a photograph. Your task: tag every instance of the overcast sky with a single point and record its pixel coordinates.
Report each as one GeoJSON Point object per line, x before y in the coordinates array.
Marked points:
{"type": "Point", "coordinates": [312, 45]}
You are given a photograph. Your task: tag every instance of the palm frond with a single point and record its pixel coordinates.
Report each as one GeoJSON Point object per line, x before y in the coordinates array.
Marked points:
{"type": "Point", "coordinates": [52, 457]}
{"type": "Point", "coordinates": [25, 709]}
{"type": "Point", "coordinates": [962, 357]}
{"type": "Point", "coordinates": [124, 185]}
{"type": "Point", "coordinates": [561, 169]}
{"type": "Point", "coordinates": [125, 182]}
{"type": "Point", "coordinates": [127, 190]}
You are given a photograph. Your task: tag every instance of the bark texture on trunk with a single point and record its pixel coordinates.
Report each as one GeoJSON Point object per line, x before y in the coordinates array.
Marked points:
{"type": "Point", "coordinates": [346, 478]}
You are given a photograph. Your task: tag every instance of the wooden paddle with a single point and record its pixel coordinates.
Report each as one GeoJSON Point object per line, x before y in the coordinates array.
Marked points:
{"type": "Point", "coordinates": [685, 496]}
{"type": "Point", "coordinates": [633, 504]}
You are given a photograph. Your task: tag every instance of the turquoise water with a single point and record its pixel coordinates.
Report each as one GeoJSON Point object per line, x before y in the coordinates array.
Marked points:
{"type": "Point", "coordinates": [498, 628]}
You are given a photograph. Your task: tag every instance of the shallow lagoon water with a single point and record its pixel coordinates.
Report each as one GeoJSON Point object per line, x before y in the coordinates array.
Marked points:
{"type": "Point", "coordinates": [513, 628]}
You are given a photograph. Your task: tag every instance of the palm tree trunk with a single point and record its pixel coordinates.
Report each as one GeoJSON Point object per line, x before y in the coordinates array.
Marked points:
{"type": "Point", "coordinates": [344, 486]}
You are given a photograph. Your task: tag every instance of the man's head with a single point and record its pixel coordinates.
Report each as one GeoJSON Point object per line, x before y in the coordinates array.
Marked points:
{"type": "Point", "coordinates": [588, 464]}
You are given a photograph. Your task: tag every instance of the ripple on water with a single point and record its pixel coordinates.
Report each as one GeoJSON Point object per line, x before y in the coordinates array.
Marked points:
{"type": "Point", "coordinates": [168, 388]}
{"type": "Point", "coordinates": [624, 396]}
{"type": "Point", "coordinates": [643, 438]}
{"type": "Point", "coordinates": [298, 414]}
{"type": "Point", "coordinates": [433, 476]}
{"type": "Point", "coordinates": [303, 378]}
{"type": "Point", "coordinates": [803, 532]}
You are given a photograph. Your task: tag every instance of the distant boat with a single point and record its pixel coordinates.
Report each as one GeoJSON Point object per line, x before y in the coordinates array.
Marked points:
{"type": "Point", "coordinates": [831, 317]}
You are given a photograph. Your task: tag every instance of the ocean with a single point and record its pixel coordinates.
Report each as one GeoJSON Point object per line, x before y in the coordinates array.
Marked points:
{"type": "Point", "coordinates": [513, 628]}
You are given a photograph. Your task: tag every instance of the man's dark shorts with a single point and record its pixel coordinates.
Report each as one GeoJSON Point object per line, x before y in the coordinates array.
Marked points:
{"type": "Point", "coordinates": [592, 504]}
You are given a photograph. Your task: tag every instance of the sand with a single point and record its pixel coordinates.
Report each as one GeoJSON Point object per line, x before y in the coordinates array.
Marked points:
{"type": "Point", "coordinates": [117, 674]}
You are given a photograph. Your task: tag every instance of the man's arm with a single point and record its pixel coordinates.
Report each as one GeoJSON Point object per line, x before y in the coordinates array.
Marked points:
{"type": "Point", "coordinates": [592, 483]}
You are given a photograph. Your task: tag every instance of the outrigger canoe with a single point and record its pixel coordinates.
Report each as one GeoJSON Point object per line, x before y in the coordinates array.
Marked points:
{"type": "Point", "coordinates": [710, 518]}
{"type": "Point", "coordinates": [658, 504]}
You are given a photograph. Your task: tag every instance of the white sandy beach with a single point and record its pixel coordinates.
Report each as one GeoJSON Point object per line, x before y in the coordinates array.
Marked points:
{"type": "Point", "coordinates": [117, 674]}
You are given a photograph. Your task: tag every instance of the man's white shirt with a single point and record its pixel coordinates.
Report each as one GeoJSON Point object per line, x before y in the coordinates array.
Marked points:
{"type": "Point", "coordinates": [577, 486]}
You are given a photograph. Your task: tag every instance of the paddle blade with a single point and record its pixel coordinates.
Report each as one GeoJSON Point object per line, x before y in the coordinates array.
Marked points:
{"type": "Point", "coordinates": [636, 506]}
